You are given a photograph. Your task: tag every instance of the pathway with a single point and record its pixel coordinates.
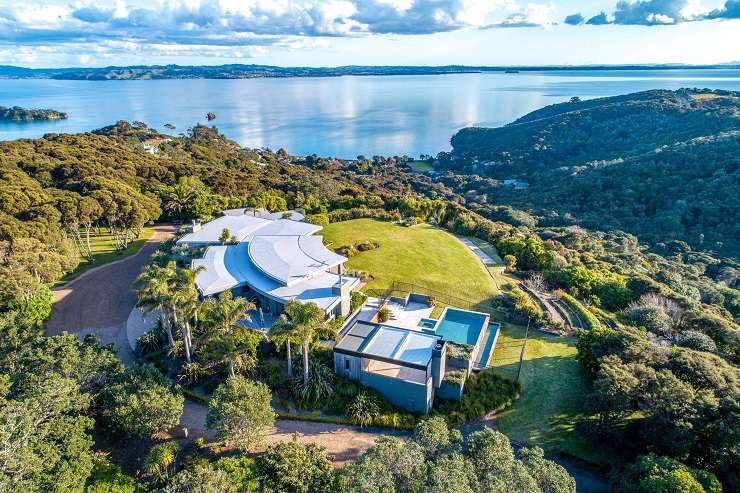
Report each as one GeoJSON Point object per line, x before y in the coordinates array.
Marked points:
{"type": "Point", "coordinates": [344, 442]}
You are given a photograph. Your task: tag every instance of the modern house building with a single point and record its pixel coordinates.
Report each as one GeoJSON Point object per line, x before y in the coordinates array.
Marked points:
{"type": "Point", "coordinates": [270, 259]}
{"type": "Point", "coordinates": [404, 365]}
{"type": "Point", "coordinates": [412, 357]}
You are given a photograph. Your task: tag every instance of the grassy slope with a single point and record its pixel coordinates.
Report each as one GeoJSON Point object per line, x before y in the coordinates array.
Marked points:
{"type": "Point", "coordinates": [553, 387]}
{"type": "Point", "coordinates": [421, 254]}
{"type": "Point", "coordinates": [553, 384]}
{"type": "Point", "coordinates": [104, 252]}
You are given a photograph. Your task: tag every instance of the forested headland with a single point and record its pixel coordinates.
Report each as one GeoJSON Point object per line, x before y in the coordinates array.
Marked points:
{"type": "Point", "coordinates": [662, 165]}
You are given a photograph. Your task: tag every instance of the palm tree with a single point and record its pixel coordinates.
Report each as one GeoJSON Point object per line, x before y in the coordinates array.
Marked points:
{"type": "Point", "coordinates": [178, 198]}
{"type": "Point", "coordinates": [307, 321]}
{"type": "Point", "coordinates": [185, 301]}
{"type": "Point", "coordinates": [283, 331]}
{"type": "Point", "coordinates": [156, 284]}
{"type": "Point", "coordinates": [220, 317]}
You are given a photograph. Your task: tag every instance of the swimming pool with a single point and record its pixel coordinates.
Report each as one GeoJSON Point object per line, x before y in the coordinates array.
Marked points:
{"type": "Point", "coordinates": [461, 326]}
{"type": "Point", "coordinates": [427, 323]}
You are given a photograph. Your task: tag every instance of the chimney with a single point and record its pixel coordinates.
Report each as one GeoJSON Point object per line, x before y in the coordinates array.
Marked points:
{"type": "Point", "coordinates": [439, 357]}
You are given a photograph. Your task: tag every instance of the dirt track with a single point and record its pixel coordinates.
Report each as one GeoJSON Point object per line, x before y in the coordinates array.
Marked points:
{"type": "Point", "coordinates": [100, 300]}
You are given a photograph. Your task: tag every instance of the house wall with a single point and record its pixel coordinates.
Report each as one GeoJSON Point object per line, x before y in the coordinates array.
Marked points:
{"type": "Point", "coordinates": [347, 366]}
{"type": "Point", "coordinates": [415, 397]}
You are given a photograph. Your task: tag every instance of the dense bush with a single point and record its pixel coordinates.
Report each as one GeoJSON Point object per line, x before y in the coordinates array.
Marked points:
{"type": "Point", "coordinates": [142, 402]}
{"type": "Point", "coordinates": [484, 392]}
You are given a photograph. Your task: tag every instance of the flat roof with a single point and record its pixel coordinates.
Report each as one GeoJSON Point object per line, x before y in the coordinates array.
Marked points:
{"type": "Point", "coordinates": [386, 343]}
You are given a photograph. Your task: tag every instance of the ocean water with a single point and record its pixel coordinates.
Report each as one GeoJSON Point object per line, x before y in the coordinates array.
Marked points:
{"type": "Point", "coordinates": [343, 116]}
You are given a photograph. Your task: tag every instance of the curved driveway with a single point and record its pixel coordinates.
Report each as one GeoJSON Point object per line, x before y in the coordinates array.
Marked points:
{"type": "Point", "coordinates": [100, 300]}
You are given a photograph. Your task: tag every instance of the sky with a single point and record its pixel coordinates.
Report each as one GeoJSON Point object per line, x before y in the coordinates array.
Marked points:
{"type": "Point", "coordinates": [70, 33]}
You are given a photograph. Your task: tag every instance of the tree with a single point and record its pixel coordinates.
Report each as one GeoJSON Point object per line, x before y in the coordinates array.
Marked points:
{"type": "Point", "coordinates": [282, 332]}
{"type": "Point", "coordinates": [44, 444]}
{"type": "Point", "coordinates": [225, 338]}
{"type": "Point", "coordinates": [390, 465]}
{"type": "Point", "coordinates": [510, 262]}
{"type": "Point", "coordinates": [185, 301]}
{"type": "Point", "coordinates": [435, 436]}
{"type": "Point", "coordinates": [307, 321]}
{"type": "Point", "coordinates": [142, 403]}
{"type": "Point", "coordinates": [292, 467]}
{"type": "Point", "coordinates": [240, 412]}
{"type": "Point", "coordinates": [550, 477]}
{"type": "Point", "coordinates": [157, 283]}
{"type": "Point", "coordinates": [655, 474]}
{"type": "Point", "coordinates": [203, 478]}
{"type": "Point", "coordinates": [225, 236]}
{"type": "Point", "coordinates": [107, 477]}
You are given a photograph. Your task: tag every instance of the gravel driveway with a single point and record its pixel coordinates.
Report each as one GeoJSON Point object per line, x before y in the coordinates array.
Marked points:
{"type": "Point", "coordinates": [100, 300]}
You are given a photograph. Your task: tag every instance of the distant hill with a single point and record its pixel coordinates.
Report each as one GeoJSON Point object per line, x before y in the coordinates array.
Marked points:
{"type": "Point", "coordinates": [239, 71]}
{"type": "Point", "coordinates": [661, 164]}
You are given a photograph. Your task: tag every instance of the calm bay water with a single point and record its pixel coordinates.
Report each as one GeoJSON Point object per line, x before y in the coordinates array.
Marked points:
{"type": "Point", "coordinates": [340, 117]}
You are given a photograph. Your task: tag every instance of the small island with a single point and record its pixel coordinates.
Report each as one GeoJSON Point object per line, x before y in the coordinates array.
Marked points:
{"type": "Point", "coordinates": [18, 114]}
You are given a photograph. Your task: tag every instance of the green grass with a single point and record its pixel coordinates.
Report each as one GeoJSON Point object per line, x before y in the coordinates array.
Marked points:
{"type": "Point", "coordinates": [488, 249]}
{"type": "Point", "coordinates": [421, 166]}
{"type": "Point", "coordinates": [421, 254]}
{"type": "Point", "coordinates": [553, 389]}
{"type": "Point", "coordinates": [104, 252]}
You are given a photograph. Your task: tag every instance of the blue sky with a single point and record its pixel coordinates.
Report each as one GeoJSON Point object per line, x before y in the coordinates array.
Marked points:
{"type": "Point", "coordinates": [53, 33]}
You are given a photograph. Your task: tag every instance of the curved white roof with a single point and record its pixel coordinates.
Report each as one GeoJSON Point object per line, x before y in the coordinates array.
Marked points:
{"type": "Point", "coordinates": [239, 226]}
{"type": "Point", "coordinates": [289, 259]}
{"type": "Point", "coordinates": [229, 266]}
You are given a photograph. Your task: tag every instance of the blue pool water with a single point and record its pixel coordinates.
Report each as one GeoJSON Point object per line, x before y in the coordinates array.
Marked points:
{"type": "Point", "coordinates": [487, 348]}
{"type": "Point", "coordinates": [461, 326]}
{"type": "Point", "coordinates": [427, 323]}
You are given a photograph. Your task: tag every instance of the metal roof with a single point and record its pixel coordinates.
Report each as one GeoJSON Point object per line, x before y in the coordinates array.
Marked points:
{"type": "Point", "coordinates": [291, 259]}
{"type": "Point", "coordinates": [239, 226]}
{"type": "Point", "coordinates": [229, 266]}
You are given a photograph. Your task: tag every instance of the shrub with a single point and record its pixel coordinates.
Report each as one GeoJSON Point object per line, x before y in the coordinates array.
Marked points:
{"type": "Point", "coordinates": [142, 402]}
{"type": "Point", "coordinates": [696, 340]}
{"type": "Point", "coordinates": [192, 373]}
{"type": "Point", "coordinates": [348, 251]}
{"type": "Point", "coordinates": [587, 317]}
{"type": "Point", "coordinates": [319, 386]}
{"type": "Point", "coordinates": [356, 300]}
{"type": "Point", "coordinates": [364, 409]}
{"type": "Point", "coordinates": [459, 351]}
{"type": "Point", "coordinates": [160, 461]}
{"type": "Point", "coordinates": [384, 314]}
{"type": "Point", "coordinates": [240, 412]}
{"type": "Point", "coordinates": [456, 377]}
{"type": "Point", "coordinates": [149, 342]}
{"type": "Point", "coordinates": [484, 392]}
{"type": "Point", "coordinates": [367, 245]}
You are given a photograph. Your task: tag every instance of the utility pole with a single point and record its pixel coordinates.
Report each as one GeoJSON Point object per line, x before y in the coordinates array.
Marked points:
{"type": "Point", "coordinates": [524, 346]}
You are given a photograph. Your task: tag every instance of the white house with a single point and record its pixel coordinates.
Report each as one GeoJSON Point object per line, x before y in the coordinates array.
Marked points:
{"type": "Point", "coordinates": [272, 260]}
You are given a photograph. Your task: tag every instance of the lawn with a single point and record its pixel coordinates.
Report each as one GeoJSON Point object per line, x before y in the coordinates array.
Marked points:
{"type": "Point", "coordinates": [553, 389]}
{"type": "Point", "coordinates": [421, 254]}
{"type": "Point", "coordinates": [104, 252]}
